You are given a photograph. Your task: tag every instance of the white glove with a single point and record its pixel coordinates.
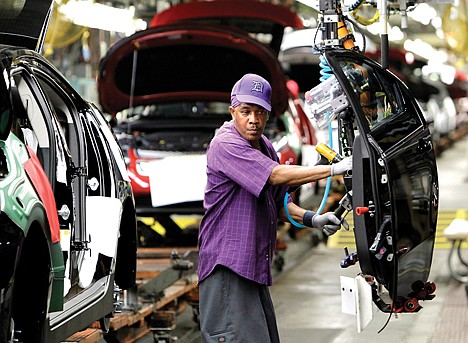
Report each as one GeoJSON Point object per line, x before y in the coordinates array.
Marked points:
{"type": "Point", "coordinates": [342, 167]}
{"type": "Point", "coordinates": [328, 222]}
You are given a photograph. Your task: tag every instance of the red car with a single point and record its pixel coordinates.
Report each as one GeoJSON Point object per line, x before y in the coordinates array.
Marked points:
{"type": "Point", "coordinates": [169, 89]}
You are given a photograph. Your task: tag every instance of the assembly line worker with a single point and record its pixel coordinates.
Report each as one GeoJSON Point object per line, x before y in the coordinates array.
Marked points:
{"type": "Point", "coordinates": [244, 196]}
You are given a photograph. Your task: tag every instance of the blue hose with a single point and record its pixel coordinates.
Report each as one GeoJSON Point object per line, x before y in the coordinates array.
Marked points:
{"type": "Point", "coordinates": [329, 179]}
{"type": "Point", "coordinates": [325, 72]}
{"type": "Point", "coordinates": [291, 220]}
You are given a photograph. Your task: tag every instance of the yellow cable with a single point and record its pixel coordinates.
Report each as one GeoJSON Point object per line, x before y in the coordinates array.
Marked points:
{"type": "Point", "coordinates": [362, 20]}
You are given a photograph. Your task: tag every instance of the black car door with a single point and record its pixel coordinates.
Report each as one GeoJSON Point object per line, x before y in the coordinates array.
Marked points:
{"type": "Point", "coordinates": [394, 180]}
{"type": "Point", "coordinates": [52, 117]}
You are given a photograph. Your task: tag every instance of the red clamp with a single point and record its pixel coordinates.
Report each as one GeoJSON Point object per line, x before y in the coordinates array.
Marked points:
{"type": "Point", "coordinates": [361, 210]}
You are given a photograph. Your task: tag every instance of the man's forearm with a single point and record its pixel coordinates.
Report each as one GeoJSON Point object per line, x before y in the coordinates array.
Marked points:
{"type": "Point", "coordinates": [292, 175]}
{"type": "Point", "coordinates": [296, 213]}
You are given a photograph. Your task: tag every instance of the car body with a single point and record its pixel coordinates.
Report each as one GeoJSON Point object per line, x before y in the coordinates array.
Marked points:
{"type": "Point", "coordinates": [264, 21]}
{"type": "Point", "coordinates": [267, 23]}
{"type": "Point", "coordinates": [394, 184]}
{"type": "Point", "coordinates": [171, 84]}
{"type": "Point", "coordinates": [68, 224]}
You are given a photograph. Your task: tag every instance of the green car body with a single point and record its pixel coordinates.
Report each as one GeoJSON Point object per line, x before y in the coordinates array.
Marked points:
{"type": "Point", "coordinates": [18, 202]}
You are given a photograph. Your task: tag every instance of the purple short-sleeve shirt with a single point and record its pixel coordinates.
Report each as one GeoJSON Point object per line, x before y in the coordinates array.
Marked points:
{"type": "Point", "coordinates": [238, 229]}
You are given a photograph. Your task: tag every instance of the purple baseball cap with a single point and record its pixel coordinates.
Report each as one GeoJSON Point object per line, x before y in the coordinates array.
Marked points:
{"type": "Point", "coordinates": [251, 89]}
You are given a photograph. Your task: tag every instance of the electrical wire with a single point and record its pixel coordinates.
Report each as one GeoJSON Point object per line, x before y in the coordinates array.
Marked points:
{"type": "Point", "coordinates": [315, 46]}
{"type": "Point", "coordinates": [388, 320]}
{"type": "Point", "coordinates": [364, 39]}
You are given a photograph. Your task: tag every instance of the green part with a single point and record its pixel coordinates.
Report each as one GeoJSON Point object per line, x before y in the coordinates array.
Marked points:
{"type": "Point", "coordinates": [17, 194]}
{"type": "Point", "coordinates": [58, 276]}
{"type": "Point", "coordinates": [17, 200]}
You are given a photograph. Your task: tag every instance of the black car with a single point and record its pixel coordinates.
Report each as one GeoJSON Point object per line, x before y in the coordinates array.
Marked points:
{"type": "Point", "coordinates": [67, 220]}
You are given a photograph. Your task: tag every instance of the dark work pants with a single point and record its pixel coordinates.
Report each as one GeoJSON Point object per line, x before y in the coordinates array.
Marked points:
{"type": "Point", "coordinates": [234, 309]}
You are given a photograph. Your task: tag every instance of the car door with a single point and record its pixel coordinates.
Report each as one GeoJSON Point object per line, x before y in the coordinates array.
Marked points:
{"type": "Point", "coordinates": [49, 130]}
{"type": "Point", "coordinates": [24, 22]}
{"type": "Point", "coordinates": [394, 179]}
{"type": "Point", "coordinates": [91, 187]}
{"type": "Point", "coordinates": [84, 184]}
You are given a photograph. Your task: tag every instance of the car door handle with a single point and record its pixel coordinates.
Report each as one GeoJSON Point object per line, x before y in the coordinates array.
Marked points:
{"type": "Point", "coordinates": [424, 145]}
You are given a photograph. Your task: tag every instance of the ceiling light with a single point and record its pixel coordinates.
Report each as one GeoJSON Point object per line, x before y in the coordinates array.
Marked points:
{"type": "Point", "coordinates": [395, 34]}
{"type": "Point", "coordinates": [90, 14]}
{"type": "Point", "coordinates": [423, 13]}
{"type": "Point", "coordinates": [425, 50]}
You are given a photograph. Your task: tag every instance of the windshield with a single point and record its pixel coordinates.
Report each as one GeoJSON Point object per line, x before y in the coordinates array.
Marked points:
{"type": "Point", "coordinates": [376, 95]}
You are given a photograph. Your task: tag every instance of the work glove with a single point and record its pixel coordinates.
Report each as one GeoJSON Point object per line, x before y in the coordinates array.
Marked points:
{"type": "Point", "coordinates": [328, 222]}
{"type": "Point", "coordinates": [342, 167]}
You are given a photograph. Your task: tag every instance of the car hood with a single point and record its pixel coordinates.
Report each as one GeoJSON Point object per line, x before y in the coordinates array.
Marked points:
{"type": "Point", "coordinates": [253, 17]}
{"type": "Point", "coordinates": [24, 22]}
{"type": "Point", "coordinates": [183, 63]}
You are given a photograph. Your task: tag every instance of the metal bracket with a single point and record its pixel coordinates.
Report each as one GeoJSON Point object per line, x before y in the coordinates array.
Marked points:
{"type": "Point", "coordinates": [154, 288]}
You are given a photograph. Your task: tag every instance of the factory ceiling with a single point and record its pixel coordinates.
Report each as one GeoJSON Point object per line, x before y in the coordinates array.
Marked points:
{"type": "Point", "coordinates": [437, 25]}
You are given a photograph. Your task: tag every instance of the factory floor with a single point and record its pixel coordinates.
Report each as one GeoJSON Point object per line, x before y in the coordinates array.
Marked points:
{"type": "Point", "coordinates": [307, 292]}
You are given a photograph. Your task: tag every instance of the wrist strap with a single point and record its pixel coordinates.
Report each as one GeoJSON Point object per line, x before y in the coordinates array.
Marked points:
{"type": "Point", "coordinates": [307, 218]}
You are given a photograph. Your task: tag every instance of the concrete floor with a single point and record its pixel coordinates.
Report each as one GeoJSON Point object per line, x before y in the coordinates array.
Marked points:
{"type": "Point", "coordinates": [453, 176]}
{"type": "Point", "coordinates": [308, 304]}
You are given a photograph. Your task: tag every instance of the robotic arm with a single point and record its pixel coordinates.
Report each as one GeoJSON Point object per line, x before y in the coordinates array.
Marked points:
{"type": "Point", "coordinates": [337, 32]}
